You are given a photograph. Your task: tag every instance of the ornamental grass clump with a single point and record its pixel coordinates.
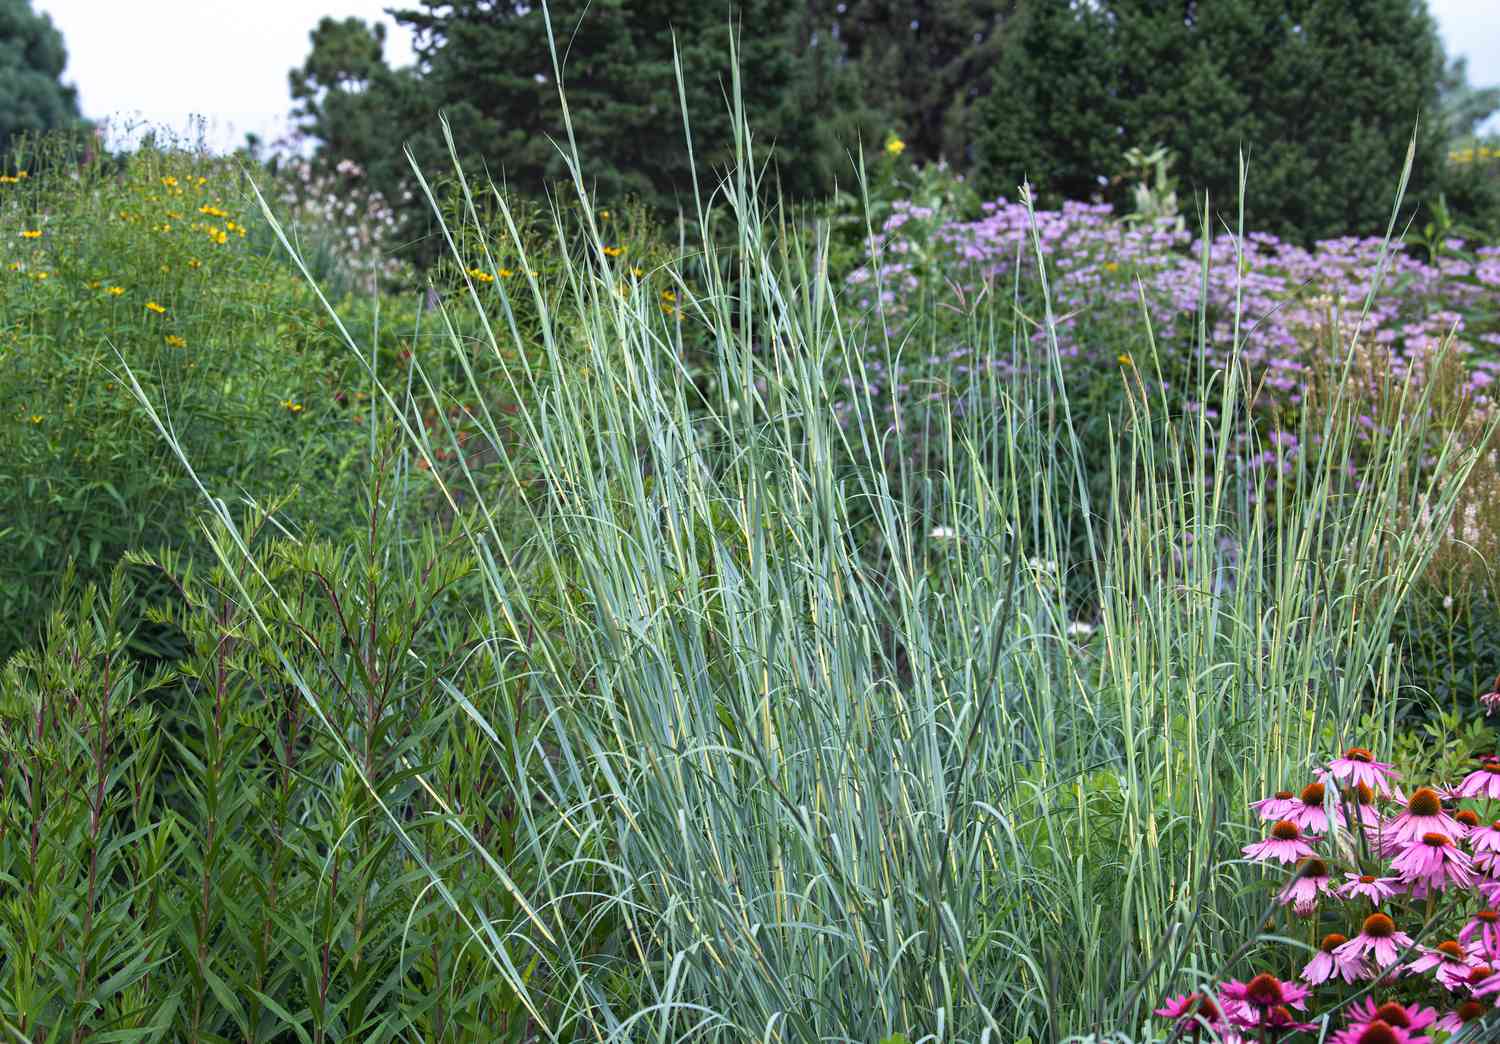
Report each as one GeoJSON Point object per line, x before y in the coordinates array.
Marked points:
{"type": "Point", "coordinates": [1405, 947]}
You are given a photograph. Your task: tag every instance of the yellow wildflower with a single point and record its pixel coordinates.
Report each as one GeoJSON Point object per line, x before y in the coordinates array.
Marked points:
{"type": "Point", "coordinates": [116, 291]}
{"type": "Point", "coordinates": [169, 181]}
{"type": "Point", "coordinates": [32, 233]}
{"type": "Point", "coordinates": [39, 276]}
{"type": "Point", "coordinates": [1124, 360]}
{"type": "Point", "coordinates": [603, 215]}
{"type": "Point", "coordinates": [152, 306]}
{"type": "Point", "coordinates": [213, 211]}
{"type": "Point", "coordinates": [894, 146]}
{"type": "Point", "coordinates": [36, 418]}
{"type": "Point", "coordinates": [668, 295]}
{"type": "Point", "coordinates": [193, 262]}
{"type": "Point", "coordinates": [291, 406]}
{"type": "Point", "coordinates": [173, 341]}
{"type": "Point", "coordinates": [481, 275]}
{"type": "Point", "coordinates": [1111, 266]}
{"type": "Point", "coordinates": [614, 251]}
{"type": "Point", "coordinates": [15, 266]}
{"type": "Point", "coordinates": [637, 271]}
{"type": "Point", "coordinates": [506, 273]}
{"type": "Point", "coordinates": [6, 179]}
{"type": "Point", "coordinates": [93, 284]}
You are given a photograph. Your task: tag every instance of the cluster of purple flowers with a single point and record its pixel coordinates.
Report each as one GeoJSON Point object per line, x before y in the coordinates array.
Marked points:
{"type": "Point", "coordinates": [1432, 844]}
{"type": "Point", "coordinates": [1298, 307]}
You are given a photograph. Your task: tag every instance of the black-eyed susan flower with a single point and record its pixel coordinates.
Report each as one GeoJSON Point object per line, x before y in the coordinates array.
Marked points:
{"type": "Point", "coordinates": [614, 251]}
{"type": "Point", "coordinates": [291, 406]}
{"type": "Point", "coordinates": [115, 291]}
{"type": "Point", "coordinates": [173, 341]}
{"type": "Point", "coordinates": [32, 233]}
{"type": "Point", "coordinates": [152, 306]}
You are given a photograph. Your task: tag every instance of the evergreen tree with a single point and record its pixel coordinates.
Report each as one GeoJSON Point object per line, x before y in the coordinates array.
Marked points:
{"type": "Point", "coordinates": [929, 61]}
{"type": "Point", "coordinates": [33, 98]}
{"type": "Point", "coordinates": [487, 66]}
{"type": "Point", "coordinates": [1322, 94]}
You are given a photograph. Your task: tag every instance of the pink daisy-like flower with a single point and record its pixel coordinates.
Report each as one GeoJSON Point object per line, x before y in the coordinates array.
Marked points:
{"type": "Point", "coordinates": [1377, 1032]}
{"type": "Point", "coordinates": [1424, 815]}
{"type": "Point", "coordinates": [1483, 980]}
{"type": "Point", "coordinates": [1448, 961]}
{"type": "Point", "coordinates": [1325, 965]}
{"type": "Point", "coordinates": [1285, 844]}
{"type": "Point", "coordinates": [1434, 862]}
{"type": "Point", "coordinates": [1265, 992]}
{"type": "Point", "coordinates": [1482, 782]}
{"type": "Point", "coordinates": [1310, 881]}
{"type": "Point", "coordinates": [1361, 799]}
{"type": "Point", "coordinates": [1484, 928]}
{"type": "Point", "coordinates": [1194, 1012]}
{"type": "Point", "coordinates": [1358, 767]}
{"type": "Point", "coordinates": [1410, 1017]}
{"type": "Point", "coordinates": [1375, 889]}
{"type": "Point", "coordinates": [1491, 700]}
{"type": "Point", "coordinates": [1455, 1020]}
{"type": "Point", "coordinates": [1276, 806]}
{"type": "Point", "coordinates": [1308, 812]}
{"type": "Point", "coordinates": [1377, 937]}
{"type": "Point", "coordinates": [1484, 842]}
{"type": "Point", "coordinates": [1278, 1019]}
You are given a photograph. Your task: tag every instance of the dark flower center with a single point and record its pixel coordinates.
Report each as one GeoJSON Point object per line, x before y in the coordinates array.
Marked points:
{"type": "Point", "coordinates": [1451, 949]}
{"type": "Point", "coordinates": [1435, 840]}
{"type": "Point", "coordinates": [1358, 754]}
{"type": "Point", "coordinates": [1379, 926]}
{"type": "Point", "coordinates": [1363, 794]}
{"type": "Point", "coordinates": [1378, 1032]}
{"type": "Point", "coordinates": [1487, 916]}
{"type": "Point", "coordinates": [1332, 941]}
{"type": "Point", "coordinates": [1283, 795]}
{"type": "Point", "coordinates": [1491, 765]}
{"type": "Point", "coordinates": [1264, 991]}
{"type": "Point", "coordinates": [1468, 817]}
{"type": "Point", "coordinates": [1479, 973]}
{"type": "Point", "coordinates": [1366, 878]}
{"type": "Point", "coordinates": [1470, 1010]}
{"type": "Point", "coordinates": [1312, 794]}
{"type": "Point", "coordinates": [1285, 830]}
{"type": "Point", "coordinates": [1311, 867]}
{"type": "Point", "coordinates": [1393, 1014]}
{"type": "Point", "coordinates": [1425, 802]}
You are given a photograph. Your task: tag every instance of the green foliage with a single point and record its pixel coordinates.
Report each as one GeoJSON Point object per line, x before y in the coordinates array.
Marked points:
{"type": "Point", "coordinates": [151, 266]}
{"type": "Point", "coordinates": [33, 99]}
{"type": "Point", "coordinates": [1080, 83]}
{"type": "Point", "coordinates": [246, 847]}
{"type": "Point", "coordinates": [487, 67]}
{"type": "Point", "coordinates": [955, 44]}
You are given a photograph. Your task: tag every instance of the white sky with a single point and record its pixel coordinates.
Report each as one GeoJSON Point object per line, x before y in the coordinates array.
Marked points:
{"type": "Point", "coordinates": [227, 60]}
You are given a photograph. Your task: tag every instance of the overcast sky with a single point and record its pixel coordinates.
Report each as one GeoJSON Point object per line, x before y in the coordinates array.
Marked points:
{"type": "Point", "coordinates": [228, 60]}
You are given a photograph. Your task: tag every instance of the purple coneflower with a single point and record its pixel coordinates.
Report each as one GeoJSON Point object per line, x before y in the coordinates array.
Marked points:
{"type": "Point", "coordinates": [1310, 881]}
{"type": "Point", "coordinates": [1308, 812]}
{"type": "Point", "coordinates": [1276, 806]}
{"type": "Point", "coordinates": [1194, 1012]}
{"type": "Point", "coordinates": [1375, 889]}
{"type": "Point", "coordinates": [1484, 926]}
{"type": "Point", "coordinates": [1377, 1032]}
{"type": "Point", "coordinates": [1482, 782]}
{"type": "Point", "coordinates": [1455, 1020]}
{"type": "Point", "coordinates": [1434, 862]}
{"type": "Point", "coordinates": [1359, 767]}
{"type": "Point", "coordinates": [1285, 844]}
{"type": "Point", "coordinates": [1424, 815]}
{"type": "Point", "coordinates": [1450, 961]}
{"type": "Point", "coordinates": [1325, 965]}
{"type": "Point", "coordinates": [1410, 1017]}
{"type": "Point", "coordinates": [1377, 937]}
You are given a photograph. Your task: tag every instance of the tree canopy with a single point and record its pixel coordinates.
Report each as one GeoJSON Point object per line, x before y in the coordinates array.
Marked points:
{"type": "Point", "coordinates": [33, 98]}
{"type": "Point", "coordinates": [1323, 95]}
